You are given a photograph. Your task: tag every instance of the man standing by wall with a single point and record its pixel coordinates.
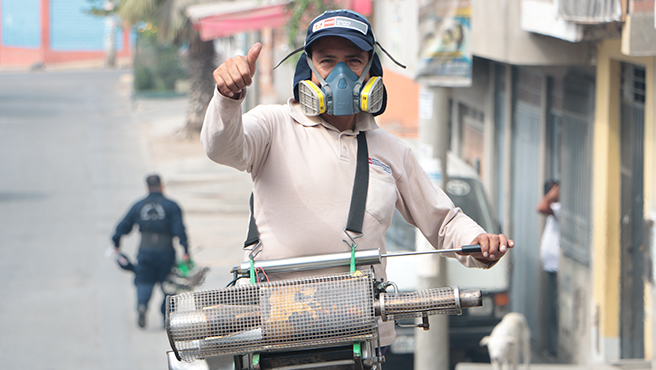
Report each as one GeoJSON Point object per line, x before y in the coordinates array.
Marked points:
{"type": "Point", "coordinates": [549, 256]}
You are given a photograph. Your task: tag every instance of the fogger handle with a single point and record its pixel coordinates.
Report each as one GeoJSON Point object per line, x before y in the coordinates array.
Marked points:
{"type": "Point", "coordinates": [362, 257]}
{"type": "Point", "coordinates": [308, 263]}
{"type": "Point", "coordinates": [466, 249]}
{"type": "Point", "coordinates": [469, 249]}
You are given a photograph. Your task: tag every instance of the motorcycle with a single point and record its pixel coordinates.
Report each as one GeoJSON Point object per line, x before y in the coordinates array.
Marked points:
{"type": "Point", "coordinates": [184, 276]}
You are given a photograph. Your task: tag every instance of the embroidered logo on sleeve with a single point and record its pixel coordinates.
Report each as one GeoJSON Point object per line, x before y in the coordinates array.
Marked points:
{"type": "Point", "coordinates": [380, 164]}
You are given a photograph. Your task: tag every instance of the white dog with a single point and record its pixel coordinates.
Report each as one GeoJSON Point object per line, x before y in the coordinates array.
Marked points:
{"type": "Point", "coordinates": [510, 337]}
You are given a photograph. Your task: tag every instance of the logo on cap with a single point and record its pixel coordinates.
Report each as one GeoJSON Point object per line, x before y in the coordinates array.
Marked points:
{"type": "Point", "coordinates": [340, 22]}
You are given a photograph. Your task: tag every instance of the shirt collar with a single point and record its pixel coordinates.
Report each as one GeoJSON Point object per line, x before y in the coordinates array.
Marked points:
{"type": "Point", "coordinates": [364, 121]}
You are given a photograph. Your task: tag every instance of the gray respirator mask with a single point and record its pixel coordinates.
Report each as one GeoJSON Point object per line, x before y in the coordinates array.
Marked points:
{"type": "Point", "coordinates": [342, 93]}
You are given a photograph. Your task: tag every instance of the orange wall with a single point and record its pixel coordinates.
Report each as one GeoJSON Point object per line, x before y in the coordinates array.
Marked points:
{"type": "Point", "coordinates": [401, 116]}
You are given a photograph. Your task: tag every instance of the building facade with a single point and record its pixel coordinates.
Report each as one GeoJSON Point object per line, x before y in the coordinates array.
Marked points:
{"type": "Point", "coordinates": [561, 89]}
{"type": "Point", "coordinates": [558, 89]}
{"type": "Point", "coordinates": [44, 32]}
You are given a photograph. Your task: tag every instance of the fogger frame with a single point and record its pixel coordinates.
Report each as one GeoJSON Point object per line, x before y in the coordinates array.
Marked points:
{"type": "Point", "coordinates": [288, 318]}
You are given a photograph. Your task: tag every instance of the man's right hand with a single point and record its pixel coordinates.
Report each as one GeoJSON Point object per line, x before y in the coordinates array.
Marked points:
{"type": "Point", "coordinates": [236, 73]}
{"type": "Point", "coordinates": [552, 196]}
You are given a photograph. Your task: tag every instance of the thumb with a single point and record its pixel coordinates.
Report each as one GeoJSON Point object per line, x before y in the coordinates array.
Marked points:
{"type": "Point", "coordinates": [253, 54]}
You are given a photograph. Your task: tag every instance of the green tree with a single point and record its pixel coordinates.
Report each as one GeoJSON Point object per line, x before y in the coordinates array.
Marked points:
{"type": "Point", "coordinates": [174, 26]}
{"type": "Point", "coordinates": [302, 13]}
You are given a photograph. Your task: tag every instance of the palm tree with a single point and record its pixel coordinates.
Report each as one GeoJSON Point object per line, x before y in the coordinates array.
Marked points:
{"type": "Point", "coordinates": [174, 26]}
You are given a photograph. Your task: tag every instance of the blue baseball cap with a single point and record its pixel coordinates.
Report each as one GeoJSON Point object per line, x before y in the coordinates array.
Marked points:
{"type": "Point", "coordinates": [342, 23]}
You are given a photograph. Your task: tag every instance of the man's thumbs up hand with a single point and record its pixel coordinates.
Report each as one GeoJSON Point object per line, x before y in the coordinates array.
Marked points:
{"type": "Point", "coordinates": [252, 56]}
{"type": "Point", "coordinates": [236, 73]}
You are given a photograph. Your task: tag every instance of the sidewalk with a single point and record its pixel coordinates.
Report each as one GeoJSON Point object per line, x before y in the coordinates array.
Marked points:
{"type": "Point", "coordinates": [628, 364]}
{"type": "Point", "coordinates": [121, 63]}
{"type": "Point", "coordinates": [637, 364]}
{"type": "Point", "coordinates": [472, 366]}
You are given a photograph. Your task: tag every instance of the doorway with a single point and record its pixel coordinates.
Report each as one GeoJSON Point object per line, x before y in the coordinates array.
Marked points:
{"type": "Point", "coordinates": [632, 122]}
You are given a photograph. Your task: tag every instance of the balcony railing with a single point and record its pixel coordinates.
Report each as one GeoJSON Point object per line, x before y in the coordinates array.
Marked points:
{"type": "Point", "coordinates": [590, 11]}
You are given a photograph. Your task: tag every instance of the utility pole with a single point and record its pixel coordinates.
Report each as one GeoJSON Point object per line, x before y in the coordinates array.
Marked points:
{"type": "Point", "coordinates": [110, 41]}
{"type": "Point", "coordinates": [432, 347]}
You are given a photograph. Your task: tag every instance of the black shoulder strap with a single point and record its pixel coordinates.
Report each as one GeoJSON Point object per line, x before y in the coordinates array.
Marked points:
{"type": "Point", "coordinates": [360, 187]}
{"type": "Point", "coordinates": [253, 233]}
{"type": "Point", "coordinates": [358, 197]}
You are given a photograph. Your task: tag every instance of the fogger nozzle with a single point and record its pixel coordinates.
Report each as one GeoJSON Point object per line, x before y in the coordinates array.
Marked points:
{"type": "Point", "coordinates": [438, 301]}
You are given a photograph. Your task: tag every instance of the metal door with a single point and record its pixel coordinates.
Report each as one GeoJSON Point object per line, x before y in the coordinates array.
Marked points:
{"type": "Point", "coordinates": [526, 194]}
{"type": "Point", "coordinates": [499, 199]}
{"type": "Point", "coordinates": [631, 223]}
{"type": "Point", "coordinates": [549, 317]}
{"type": "Point", "coordinates": [576, 167]}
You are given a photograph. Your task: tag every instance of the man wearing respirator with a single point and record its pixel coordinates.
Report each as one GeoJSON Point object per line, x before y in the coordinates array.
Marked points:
{"type": "Point", "coordinates": [302, 155]}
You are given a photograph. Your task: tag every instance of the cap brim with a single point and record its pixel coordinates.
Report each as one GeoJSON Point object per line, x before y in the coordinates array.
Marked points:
{"type": "Point", "coordinates": [358, 41]}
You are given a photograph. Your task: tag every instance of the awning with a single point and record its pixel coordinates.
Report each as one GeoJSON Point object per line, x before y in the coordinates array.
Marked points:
{"type": "Point", "coordinates": [222, 19]}
{"type": "Point", "coordinates": [216, 20]}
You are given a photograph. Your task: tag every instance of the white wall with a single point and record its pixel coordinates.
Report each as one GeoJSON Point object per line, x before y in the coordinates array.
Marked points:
{"type": "Point", "coordinates": [497, 35]}
{"type": "Point", "coordinates": [395, 26]}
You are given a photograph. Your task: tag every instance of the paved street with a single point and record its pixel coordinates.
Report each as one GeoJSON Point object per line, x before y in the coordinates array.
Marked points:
{"type": "Point", "coordinates": [75, 150]}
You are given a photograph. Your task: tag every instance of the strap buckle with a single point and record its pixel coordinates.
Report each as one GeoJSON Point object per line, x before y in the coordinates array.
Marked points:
{"type": "Point", "coordinates": [255, 251]}
{"type": "Point", "coordinates": [353, 243]}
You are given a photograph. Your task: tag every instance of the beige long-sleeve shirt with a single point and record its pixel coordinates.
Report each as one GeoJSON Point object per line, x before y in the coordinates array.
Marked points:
{"type": "Point", "coordinates": [303, 170]}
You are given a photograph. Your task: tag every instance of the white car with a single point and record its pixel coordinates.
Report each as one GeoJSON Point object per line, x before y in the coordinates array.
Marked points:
{"type": "Point", "coordinates": [465, 332]}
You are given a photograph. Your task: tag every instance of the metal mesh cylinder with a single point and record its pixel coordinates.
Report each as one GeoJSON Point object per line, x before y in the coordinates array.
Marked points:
{"type": "Point", "coordinates": [444, 301]}
{"type": "Point", "coordinates": [299, 313]}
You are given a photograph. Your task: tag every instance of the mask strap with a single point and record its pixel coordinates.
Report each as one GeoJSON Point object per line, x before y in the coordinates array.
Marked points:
{"type": "Point", "coordinates": [314, 70]}
{"type": "Point", "coordinates": [367, 68]}
{"type": "Point", "coordinates": [311, 65]}
{"type": "Point", "coordinates": [290, 55]}
{"type": "Point", "coordinates": [390, 56]}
